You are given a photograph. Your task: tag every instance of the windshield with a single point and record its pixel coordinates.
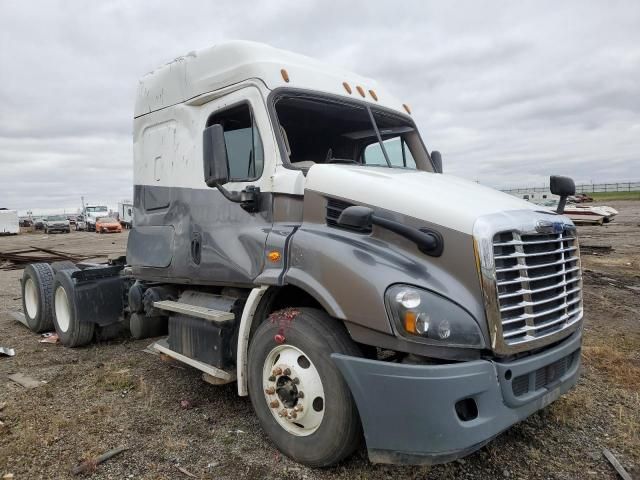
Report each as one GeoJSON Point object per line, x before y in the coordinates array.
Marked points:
{"type": "Point", "coordinates": [56, 218]}
{"type": "Point", "coordinates": [96, 209]}
{"type": "Point", "coordinates": [323, 130]}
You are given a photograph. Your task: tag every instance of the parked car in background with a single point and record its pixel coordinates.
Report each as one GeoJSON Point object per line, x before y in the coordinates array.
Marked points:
{"type": "Point", "coordinates": [81, 224]}
{"type": "Point", "coordinates": [108, 225]}
{"type": "Point", "coordinates": [56, 223]}
{"type": "Point", "coordinates": [38, 223]}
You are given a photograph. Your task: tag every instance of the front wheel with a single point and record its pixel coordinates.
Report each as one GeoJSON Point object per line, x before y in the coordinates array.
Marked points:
{"type": "Point", "coordinates": [299, 395]}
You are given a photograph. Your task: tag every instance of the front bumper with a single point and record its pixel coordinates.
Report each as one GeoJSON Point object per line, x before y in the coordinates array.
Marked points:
{"type": "Point", "coordinates": [408, 412]}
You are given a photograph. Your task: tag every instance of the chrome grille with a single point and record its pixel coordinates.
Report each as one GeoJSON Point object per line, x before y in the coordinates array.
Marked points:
{"type": "Point", "coordinates": [539, 285]}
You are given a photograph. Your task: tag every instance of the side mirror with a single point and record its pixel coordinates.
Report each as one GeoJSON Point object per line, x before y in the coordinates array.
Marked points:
{"type": "Point", "coordinates": [356, 217]}
{"type": "Point", "coordinates": [436, 158]}
{"type": "Point", "coordinates": [562, 186]}
{"type": "Point", "coordinates": [214, 156]}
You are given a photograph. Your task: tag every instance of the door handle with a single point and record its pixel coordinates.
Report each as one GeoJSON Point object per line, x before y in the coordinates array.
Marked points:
{"type": "Point", "coordinates": [196, 247]}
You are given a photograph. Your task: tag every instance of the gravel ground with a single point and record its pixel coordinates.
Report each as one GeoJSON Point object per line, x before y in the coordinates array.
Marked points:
{"type": "Point", "coordinates": [113, 394]}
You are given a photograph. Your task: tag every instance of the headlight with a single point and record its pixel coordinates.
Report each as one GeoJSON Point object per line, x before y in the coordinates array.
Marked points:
{"type": "Point", "coordinates": [427, 317]}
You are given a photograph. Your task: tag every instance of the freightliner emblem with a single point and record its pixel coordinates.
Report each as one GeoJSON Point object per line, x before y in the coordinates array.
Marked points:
{"type": "Point", "coordinates": [545, 226]}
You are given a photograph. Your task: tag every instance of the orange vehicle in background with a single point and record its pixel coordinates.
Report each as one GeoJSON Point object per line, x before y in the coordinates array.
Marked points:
{"type": "Point", "coordinates": [108, 225]}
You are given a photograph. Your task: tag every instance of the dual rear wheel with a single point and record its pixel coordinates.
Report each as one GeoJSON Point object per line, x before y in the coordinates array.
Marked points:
{"type": "Point", "coordinates": [48, 303]}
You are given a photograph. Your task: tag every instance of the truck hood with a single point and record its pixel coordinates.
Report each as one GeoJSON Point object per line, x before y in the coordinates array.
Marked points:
{"type": "Point", "coordinates": [437, 198]}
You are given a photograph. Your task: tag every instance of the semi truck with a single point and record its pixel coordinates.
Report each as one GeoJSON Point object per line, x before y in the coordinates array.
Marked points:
{"type": "Point", "coordinates": [92, 213]}
{"type": "Point", "coordinates": [293, 234]}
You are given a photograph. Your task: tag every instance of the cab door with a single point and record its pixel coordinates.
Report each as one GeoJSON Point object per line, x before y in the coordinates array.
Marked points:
{"type": "Point", "coordinates": [226, 242]}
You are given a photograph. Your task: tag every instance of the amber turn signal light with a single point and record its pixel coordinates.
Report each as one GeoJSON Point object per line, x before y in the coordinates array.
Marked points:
{"type": "Point", "coordinates": [410, 322]}
{"type": "Point", "coordinates": [273, 256]}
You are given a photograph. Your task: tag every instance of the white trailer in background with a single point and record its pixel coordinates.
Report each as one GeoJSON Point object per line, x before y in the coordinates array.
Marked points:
{"type": "Point", "coordinates": [9, 223]}
{"type": "Point", "coordinates": [125, 213]}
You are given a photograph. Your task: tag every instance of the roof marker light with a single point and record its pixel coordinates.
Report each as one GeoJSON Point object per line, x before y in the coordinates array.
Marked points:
{"type": "Point", "coordinates": [373, 95]}
{"type": "Point", "coordinates": [347, 87]}
{"type": "Point", "coordinates": [285, 75]}
{"type": "Point", "coordinates": [406, 107]}
{"type": "Point", "coordinates": [360, 91]}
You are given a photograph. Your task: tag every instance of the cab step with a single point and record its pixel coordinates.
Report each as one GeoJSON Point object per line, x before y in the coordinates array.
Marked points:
{"type": "Point", "coordinates": [211, 374]}
{"type": "Point", "coordinates": [210, 314]}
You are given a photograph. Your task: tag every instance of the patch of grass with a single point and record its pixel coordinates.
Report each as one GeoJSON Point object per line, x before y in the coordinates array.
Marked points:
{"type": "Point", "coordinates": [619, 367]}
{"type": "Point", "coordinates": [569, 409]}
{"type": "Point", "coordinates": [605, 196]}
{"type": "Point", "coordinates": [117, 380]}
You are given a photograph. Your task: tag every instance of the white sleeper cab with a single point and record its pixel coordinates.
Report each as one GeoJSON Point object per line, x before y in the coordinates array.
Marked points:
{"type": "Point", "coordinates": [292, 233]}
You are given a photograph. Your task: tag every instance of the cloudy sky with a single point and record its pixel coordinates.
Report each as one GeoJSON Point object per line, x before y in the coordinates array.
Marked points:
{"type": "Point", "coordinates": [509, 92]}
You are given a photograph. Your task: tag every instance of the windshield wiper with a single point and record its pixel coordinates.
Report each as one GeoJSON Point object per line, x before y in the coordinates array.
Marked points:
{"type": "Point", "coordinates": [375, 127]}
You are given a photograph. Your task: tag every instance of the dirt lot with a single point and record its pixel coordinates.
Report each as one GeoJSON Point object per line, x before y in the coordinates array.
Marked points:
{"type": "Point", "coordinates": [113, 394]}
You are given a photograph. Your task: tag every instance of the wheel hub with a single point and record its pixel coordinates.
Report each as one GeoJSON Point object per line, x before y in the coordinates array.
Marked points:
{"type": "Point", "coordinates": [293, 390]}
{"type": "Point", "coordinates": [287, 391]}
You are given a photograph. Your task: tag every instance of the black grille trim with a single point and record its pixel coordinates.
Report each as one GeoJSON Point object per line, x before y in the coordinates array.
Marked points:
{"type": "Point", "coordinates": [334, 209]}
{"type": "Point", "coordinates": [543, 377]}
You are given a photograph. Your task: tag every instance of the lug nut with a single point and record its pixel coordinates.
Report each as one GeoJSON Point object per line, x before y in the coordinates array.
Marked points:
{"type": "Point", "coordinates": [282, 413]}
{"type": "Point", "coordinates": [297, 408]}
{"type": "Point", "coordinates": [270, 391]}
{"type": "Point", "coordinates": [292, 415]}
{"type": "Point", "coordinates": [272, 378]}
{"type": "Point", "coordinates": [296, 380]}
{"type": "Point", "coordinates": [287, 371]}
{"type": "Point", "coordinates": [274, 404]}
{"type": "Point", "coordinates": [300, 394]}
{"type": "Point", "coordinates": [277, 371]}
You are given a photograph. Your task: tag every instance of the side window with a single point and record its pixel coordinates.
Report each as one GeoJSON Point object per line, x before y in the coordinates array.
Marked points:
{"type": "Point", "coordinates": [397, 150]}
{"type": "Point", "coordinates": [244, 146]}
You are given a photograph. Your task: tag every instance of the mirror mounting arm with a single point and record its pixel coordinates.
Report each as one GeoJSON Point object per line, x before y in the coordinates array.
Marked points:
{"type": "Point", "coordinates": [247, 198]}
{"type": "Point", "coordinates": [428, 241]}
{"type": "Point", "coordinates": [561, 204]}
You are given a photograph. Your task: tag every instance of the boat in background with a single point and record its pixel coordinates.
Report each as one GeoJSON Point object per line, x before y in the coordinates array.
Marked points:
{"type": "Point", "coordinates": [584, 214]}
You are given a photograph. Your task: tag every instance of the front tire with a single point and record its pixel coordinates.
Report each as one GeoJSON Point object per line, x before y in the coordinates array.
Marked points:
{"type": "Point", "coordinates": [300, 397]}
